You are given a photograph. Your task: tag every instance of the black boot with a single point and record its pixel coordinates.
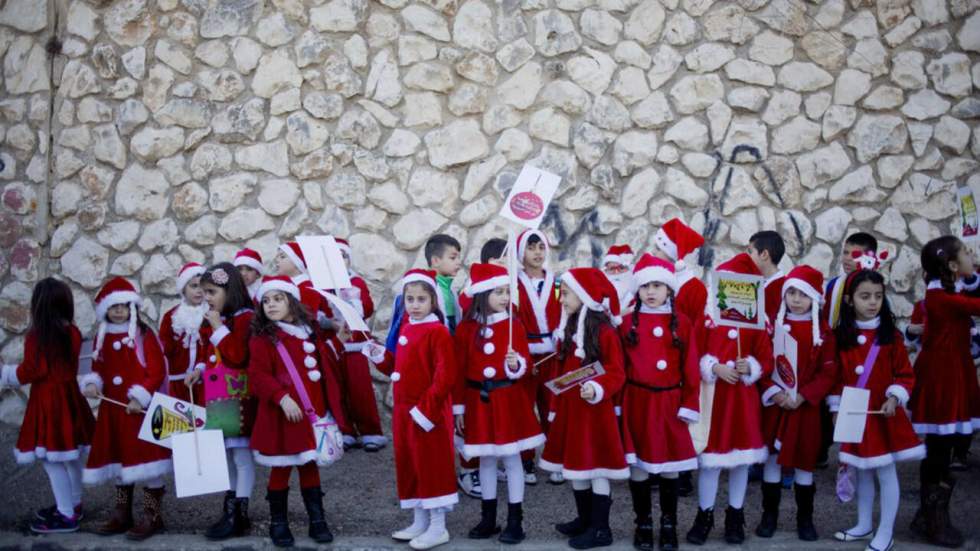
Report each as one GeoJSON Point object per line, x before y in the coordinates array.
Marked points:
{"type": "Point", "coordinates": [941, 531]}
{"type": "Point", "coordinates": [804, 512]}
{"type": "Point", "coordinates": [313, 500]}
{"type": "Point", "coordinates": [278, 519]}
{"type": "Point", "coordinates": [772, 492]}
{"type": "Point", "coordinates": [598, 533]}
{"type": "Point", "coordinates": [225, 526]}
{"type": "Point", "coordinates": [642, 505]}
{"type": "Point", "coordinates": [668, 514]}
{"type": "Point", "coordinates": [685, 486]}
{"type": "Point", "coordinates": [920, 523]}
{"type": "Point", "coordinates": [734, 525]}
{"type": "Point", "coordinates": [703, 523]}
{"type": "Point", "coordinates": [488, 521]}
{"type": "Point", "coordinates": [242, 523]}
{"type": "Point", "coordinates": [583, 506]}
{"type": "Point", "coordinates": [514, 532]}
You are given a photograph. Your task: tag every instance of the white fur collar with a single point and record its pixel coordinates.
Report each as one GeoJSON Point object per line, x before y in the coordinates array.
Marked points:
{"type": "Point", "coordinates": [297, 331]}
{"type": "Point", "coordinates": [798, 317]}
{"type": "Point", "coordinates": [117, 327]}
{"type": "Point", "coordinates": [187, 318]}
{"type": "Point", "coordinates": [662, 309]}
{"type": "Point", "coordinates": [869, 324]}
{"type": "Point", "coordinates": [778, 274]}
{"type": "Point", "coordinates": [427, 319]}
{"type": "Point", "coordinates": [496, 318]}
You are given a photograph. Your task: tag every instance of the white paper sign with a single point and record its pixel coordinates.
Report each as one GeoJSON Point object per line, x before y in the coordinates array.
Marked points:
{"type": "Point", "coordinates": [324, 262]}
{"type": "Point", "coordinates": [529, 198]}
{"type": "Point", "coordinates": [200, 467]}
{"type": "Point", "coordinates": [786, 350]}
{"type": "Point", "coordinates": [350, 314]}
{"type": "Point", "coordinates": [167, 416]}
{"type": "Point", "coordinates": [851, 415]}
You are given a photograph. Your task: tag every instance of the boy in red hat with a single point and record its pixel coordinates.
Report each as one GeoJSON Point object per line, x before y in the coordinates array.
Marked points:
{"type": "Point", "coordinates": [184, 335]}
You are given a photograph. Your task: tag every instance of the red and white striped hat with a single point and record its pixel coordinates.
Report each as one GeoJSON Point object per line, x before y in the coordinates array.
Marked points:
{"type": "Point", "coordinates": [250, 258]}
{"type": "Point", "coordinates": [650, 268]}
{"type": "Point", "coordinates": [418, 275]}
{"type": "Point", "coordinates": [619, 254]}
{"type": "Point", "coordinates": [486, 277]}
{"type": "Point", "coordinates": [278, 283]}
{"type": "Point", "coordinates": [295, 254]}
{"type": "Point", "coordinates": [187, 273]}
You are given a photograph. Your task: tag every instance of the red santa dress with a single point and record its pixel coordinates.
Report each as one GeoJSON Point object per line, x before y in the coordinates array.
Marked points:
{"type": "Point", "coordinates": [184, 336]}
{"type": "Point", "coordinates": [229, 344]}
{"type": "Point", "coordinates": [358, 387]}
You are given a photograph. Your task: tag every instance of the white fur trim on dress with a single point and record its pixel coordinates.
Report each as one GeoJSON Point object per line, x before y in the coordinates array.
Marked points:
{"type": "Point", "coordinates": [755, 371]}
{"type": "Point", "coordinates": [768, 395]}
{"type": "Point", "coordinates": [295, 459]}
{"type": "Point", "coordinates": [707, 364]}
{"type": "Point", "coordinates": [140, 394]}
{"type": "Point", "coordinates": [587, 474]}
{"type": "Point", "coordinates": [667, 467]}
{"type": "Point", "coordinates": [689, 415]}
{"type": "Point", "coordinates": [24, 458]}
{"type": "Point", "coordinates": [90, 379]}
{"type": "Point", "coordinates": [541, 348]}
{"type": "Point", "coordinates": [430, 502]}
{"type": "Point", "coordinates": [115, 472]}
{"type": "Point", "coordinates": [421, 419]}
{"type": "Point", "coordinates": [734, 458]}
{"type": "Point", "coordinates": [219, 334]}
{"type": "Point", "coordinates": [956, 427]}
{"type": "Point", "coordinates": [500, 450]}
{"type": "Point", "coordinates": [833, 402]}
{"type": "Point", "coordinates": [521, 369]}
{"type": "Point", "coordinates": [910, 454]}
{"type": "Point", "coordinates": [597, 389]}
{"type": "Point", "coordinates": [899, 392]}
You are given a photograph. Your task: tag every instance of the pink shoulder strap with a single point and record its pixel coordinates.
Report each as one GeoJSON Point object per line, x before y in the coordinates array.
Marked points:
{"type": "Point", "coordinates": [297, 383]}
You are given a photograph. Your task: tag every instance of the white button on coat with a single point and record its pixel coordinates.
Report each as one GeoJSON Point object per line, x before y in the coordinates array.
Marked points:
{"type": "Point", "coordinates": [661, 364]}
{"type": "Point", "coordinates": [787, 328]}
{"type": "Point", "coordinates": [117, 380]}
{"type": "Point", "coordinates": [308, 347]}
{"type": "Point", "coordinates": [117, 345]}
{"type": "Point", "coordinates": [733, 334]}
{"type": "Point", "coordinates": [309, 362]}
{"type": "Point", "coordinates": [487, 333]}
{"type": "Point", "coordinates": [489, 348]}
{"type": "Point", "coordinates": [395, 377]}
{"type": "Point", "coordinates": [489, 372]}
{"type": "Point", "coordinates": [859, 369]}
{"type": "Point", "coordinates": [213, 359]}
{"type": "Point", "coordinates": [658, 331]}
{"type": "Point", "coordinates": [314, 375]}
{"type": "Point", "coordinates": [403, 340]}
{"type": "Point", "coordinates": [862, 339]}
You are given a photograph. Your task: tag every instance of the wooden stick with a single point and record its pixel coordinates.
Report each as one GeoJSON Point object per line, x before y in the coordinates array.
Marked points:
{"type": "Point", "coordinates": [875, 412]}
{"type": "Point", "coordinates": [738, 340]}
{"type": "Point", "coordinates": [510, 303]}
{"type": "Point", "coordinates": [197, 447]}
{"type": "Point", "coordinates": [544, 359]}
{"type": "Point", "coordinates": [116, 402]}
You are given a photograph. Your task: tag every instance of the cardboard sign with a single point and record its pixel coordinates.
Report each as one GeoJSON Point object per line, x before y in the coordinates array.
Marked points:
{"type": "Point", "coordinates": [575, 378]}
{"type": "Point", "coordinates": [529, 198]}
{"type": "Point", "coordinates": [167, 416]}
{"type": "Point", "coordinates": [350, 314]}
{"type": "Point", "coordinates": [737, 300]}
{"type": "Point", "coordinates": [852, 415]}
{"type": "Point", "coordinates": [324, 262]}
{"type": "Point", "coordinates": [969, 221]}
{"type": "Point", "coordinates": [199, 463]}
{"type": "Point", "coordinates": [786, 350]}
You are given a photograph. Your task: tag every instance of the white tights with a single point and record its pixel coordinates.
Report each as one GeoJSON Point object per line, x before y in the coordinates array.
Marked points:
{"type": "Point", "coordinates": [738, 479]}
{"type": "Point", "coordinates": [515, 477]}
{"type": "Point", "coordinates": [888, 482]}
{"type": "Point", "coordinates": [241, 471]}
{"type": "Point", "coordinates": [774, 473]}
{"type": "Point", "coordinates": [599, 485]}
{"type": "Point", "coordinates": [639, 475]}
{"type": "Point", "coordinates": [66, 484]}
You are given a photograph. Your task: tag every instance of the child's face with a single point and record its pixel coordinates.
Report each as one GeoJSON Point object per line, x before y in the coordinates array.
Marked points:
{"type": "Point", "coordinates": [868, 298]}
{"type": "Point", "coordinates": [964, 265]}
{"type": "Point", "coordinates": [615, 268]}
{"type": "Point", "coordinates": [193, 293]}
{"type": "Point", "coordinates": [569, 300]}
{"type": "Point", "coordinates": [761, 258]}
{"type": "Point", "coordinates": [534, 255]}
{"type": "Point", "coordinates": [250, 275]}
{"type": "Point", "coordinates": [653, 294]}
{"type": "Point", "coordinates": [499, 299]}
{"type": "Point", "coordinates": [275, 304]}
{"type": "Point", "coordinates": [215, 296]}
{"type": "Point", "coordinates": [848, 262]}
{"type": "Point", "coordinates": [418, 302]}
{"type": "Point", "coordinates": [448, 263]}
{"type": "Point", "coordinates": [285, 266]}
{"type": "Point", "coordinates": [118, 313]}
{"type": "Point", "coordinates": [797, 302]}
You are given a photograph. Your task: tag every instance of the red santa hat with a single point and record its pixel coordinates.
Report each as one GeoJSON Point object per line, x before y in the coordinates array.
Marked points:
{"type": "Point", "coordinates": [650, 268]}
{"type": "Point", "coordinates": [187, 273]}
{"type": "Point", "coordinates": [295, 254]}
{"type": "Point", "coordinates": [741, 263]}
{"type": "Point", "coordinates": [250, 258]}
{"type": "Point", "coordinates": [524, 237]}
{"type": "Point", "coordinates": [418, 275]}
{"type": "Point", "coordinates": [344, 246]}
{"type": "Point", "coordinates": [808, 281]}
{"type": "Point", "coordinates": [597, 294]}
{"type": "Point", "coordinates": [117, 291]}
{"type": "Point", "coordinates": [486, 277]}
{"type": "Point", "coordinates": [278, 283]}
{"type": "Point", "coordinates": [677, 240]}
{"type": "Point", "coordinates": [619, 254]}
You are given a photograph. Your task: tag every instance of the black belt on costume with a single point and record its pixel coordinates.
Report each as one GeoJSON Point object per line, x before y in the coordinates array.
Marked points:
{"type": "Point", "coordinates": [539, 335]}
{"type": "Point", "coordinates": [654, 388]}
{"type": "Point", "coordinates": [488, 386]}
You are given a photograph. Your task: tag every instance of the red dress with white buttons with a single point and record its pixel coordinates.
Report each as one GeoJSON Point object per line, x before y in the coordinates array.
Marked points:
{"type": "Point", "coordinates": [735, 437]}
{"type": "Point", "coordinates": [504, 422]}
{"type": "Point", "coordinates": [276, 441]}
{"type": "Point", "coordinates": [185, 349]}
{"type": "Point", "coordinates": [230, 342]}
{"type": "Point", "coordinates": [663, 386]}
{"type": "Point", "coordinates": [118, 455]}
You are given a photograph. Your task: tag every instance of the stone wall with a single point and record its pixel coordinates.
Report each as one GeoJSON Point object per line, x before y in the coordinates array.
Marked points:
{"type": "Point", "coordinates": [141, 134]}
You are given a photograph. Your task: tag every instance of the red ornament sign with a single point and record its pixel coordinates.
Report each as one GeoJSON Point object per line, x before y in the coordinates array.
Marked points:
{"type": "Point", "coordinates": [527, 205]}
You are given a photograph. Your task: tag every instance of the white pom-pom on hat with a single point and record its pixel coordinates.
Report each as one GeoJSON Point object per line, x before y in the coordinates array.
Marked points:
{"type": "Point", "coordinates": [489, 372]}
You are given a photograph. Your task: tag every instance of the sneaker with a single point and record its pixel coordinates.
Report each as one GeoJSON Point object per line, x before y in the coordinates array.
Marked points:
{"type": "Point", "coordinates": [530, 478]}
{"type": "Point", "coordinates": [48, 512]}
{"type": "Point", "coordinates": [55, 524]}
{"type": "Point", "coordinates": [469, 482]}
{"type": "Point", "coordinates": [556, 478]}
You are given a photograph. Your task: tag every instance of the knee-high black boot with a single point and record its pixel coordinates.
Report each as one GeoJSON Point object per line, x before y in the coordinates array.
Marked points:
{"type": "Point", "coordinates": [669, 489]}
{"type": "Point", "coordinates": [278, 519]}
{"type": "Point", "coordinates": [583, 507]}
{"type": "Point", "coordinates": [772, 492]}
{"type": "Point", "coordinates": [642, 506]}
{"type": "Point", "coordinates": [313, 500]}
{"type": "Point", "coordinates": [514, 532]}
{"type": "Point", "coordinates": [805, 528]}
{"type": "Point", "coordinates": [598, 533]}
{"type": "Point", "coordinates": [488, 520]}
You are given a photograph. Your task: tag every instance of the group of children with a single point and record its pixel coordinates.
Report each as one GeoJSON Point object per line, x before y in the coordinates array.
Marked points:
{"type": "Point", "coordinates": [667, 388]}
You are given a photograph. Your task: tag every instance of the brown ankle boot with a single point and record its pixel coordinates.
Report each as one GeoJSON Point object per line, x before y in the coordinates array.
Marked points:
{"type": "Point", "coordinates": [122, 516]}
{"type": "Point", "coordinates": [152, 520]}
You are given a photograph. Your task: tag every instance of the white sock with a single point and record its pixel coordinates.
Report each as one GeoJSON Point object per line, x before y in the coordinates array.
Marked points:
{"type": "Point", "coordinates": [420, 520]}
{"type": "Point", "coordinates": [708, 487]}
{"type": "Point", "coordinates": [245, 468]}
{"type": "Point", "coordinates": [772, 472]}
{"type": "Point", "coordinates": [581, 484]}
{"type": "Point", "coordinates": [738, 480]}
{"type": "Point", "coordinates": [888, 486]}
{"type": "Point", "coordinates": [600, 486]}
{"type": "Point", "coordinates": [437, 521]}
{"type": "Point", "coordinates": [60, 487]}
{"type": "Point", "coordinates": [74, 469]}
{"type": "Point", "coordinates": [638, 475]}
{"type": "Point", "coordinates": [488, 477]}
{"type": "Point", "coordinates": [154, 483]}
{"type": "Point", "coordinates": [865, 502]}
{"type": "Point", "coordinates": [803, 478]}
{"type": "Point", "coordinates": [232, 471]}
{"type": "Point", "coordinates": [514, 468]}
{"type": "Point", "coordinates": [670, 476]}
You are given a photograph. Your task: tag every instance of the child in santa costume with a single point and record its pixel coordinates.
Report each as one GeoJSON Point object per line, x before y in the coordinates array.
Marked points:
{"type": "Point", "coordinates": [660, 398]}
{"type": "Point", "coordinates": [767, 249]}
{"type": "Point", "coordinates": [284, 352]}
{"type": "Point", "coordinates": [183, 336]}
{"type": "Point", "coordinates": [871, 354]}
{"type": "Point", "coordinates": [128, 367]}
{"type": "Point", "coordinates": [583, 439]}
{"type": "Point", "coordinates": [493, 412]}
{"type": "Point", "coordinates": [617, 265]}
{"type": "Point", "coordinates": [229, 316]}
{"type": "Point", "coordinates": [675, 240]}
{"type": "Point", "coordinates": [946, 401]}
{"type": "Point", "coordinates": [423, 374]}
{"type": "Point", "coordinates": [249, 264]}
{"type": "Point", "coordinates": [791, 402]}
{"type": "Point", "coordinates": [58, 422]}
{"type": "Point", "coordinates": [735, 436]}
{"type": "Point", "coordinates": [291, 263]}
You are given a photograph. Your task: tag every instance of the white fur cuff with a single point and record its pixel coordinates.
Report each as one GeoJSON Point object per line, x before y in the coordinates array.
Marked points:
{"type": "Point", "coordinates": [219, 334]}
{"type": "Point", "coordinates": [597, 388]}
{"type": "Point", "coordinates": [90, 379]}
{"type": "Point", "coordinates": [140, 394]}
{"type": "Point", "coordinates": [755, 371]}
{"type": "Point", "coordinates": [899, 392]}
{"type": "Point", "coordinates": [521, 369]}
{"type": "Point", "coordinates": [708, 363]}
{"type": "Point", "coordinates": [421, 419]}
{"type": "Point", "coordinates": [768, 395]}
{"type": "Point", "coordinates": [688, 415]}
{"type": "Point", "coordinates": [833, 402]}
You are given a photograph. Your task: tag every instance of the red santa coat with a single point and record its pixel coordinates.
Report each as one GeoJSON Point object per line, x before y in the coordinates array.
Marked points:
{"type": "Point", "coordinates": [423, 374]}
{"type": "Point", "coordinates": [663, 388]}
{"type": "Point", "coordinates": [503, 423]}
{"type": "Point", "coordinates": [735, 437]}
{"type": "Point", "coordinates": [58, 422]}
{"type": "Point", "coordinates": [946, 399]}
{"type": "Point", "coordinates": [773, 286]}
{"type": "Point", "coordinates": [886, 439]}
{"type": "Point", "coordinates": [583, 439]}
{"type": "Point", "coordinates": [794, 434]}
{"type": "Point", "coordinates": [230, 344]}
{"type": "Point", "coordinates": [185, 350]}
{"type": "Point", "coordinates": [276, 441]}
{"type": "Point", "coordinates": [118, 454]}
{"type": "Point", "coordinates": [540, 313]}
{"type": "Point", "coordinates": [358, 388]}
{"type": "Point", "coordinates": [692, 296]}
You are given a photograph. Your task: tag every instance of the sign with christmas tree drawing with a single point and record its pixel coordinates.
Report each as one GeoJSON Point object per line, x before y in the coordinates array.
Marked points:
{"type": "Point", "coordinates": [737, 300]}
{"type": "Point", "coordinates": [968, 214]}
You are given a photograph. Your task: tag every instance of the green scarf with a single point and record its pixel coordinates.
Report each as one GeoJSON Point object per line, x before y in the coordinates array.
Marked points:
{"type": "Point", "coordinates": [446, 288]}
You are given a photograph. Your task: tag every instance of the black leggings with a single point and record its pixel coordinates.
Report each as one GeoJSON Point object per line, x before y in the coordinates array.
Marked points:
{"type": "Point", "coordinates": [939, 451]}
